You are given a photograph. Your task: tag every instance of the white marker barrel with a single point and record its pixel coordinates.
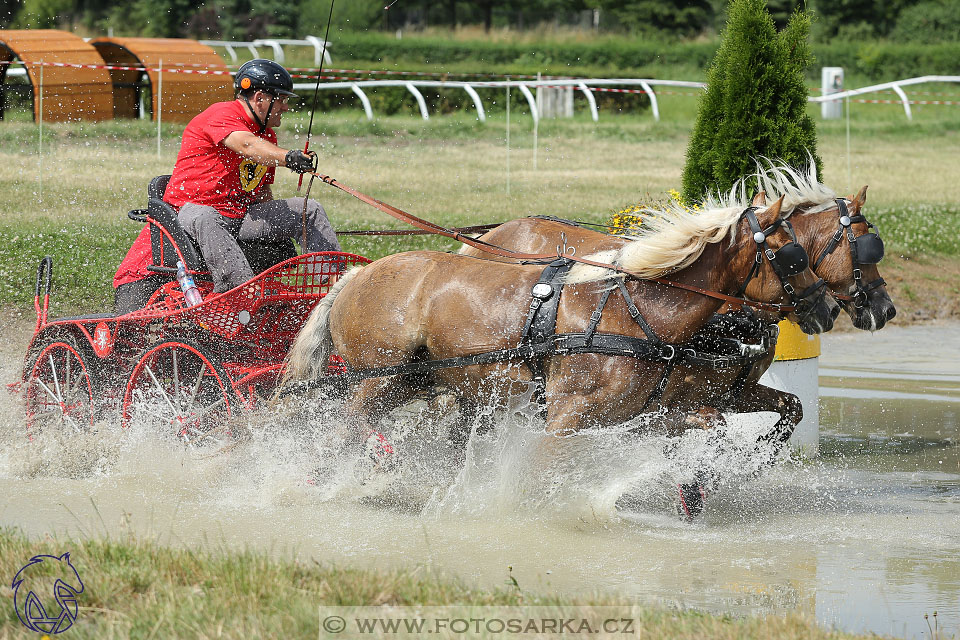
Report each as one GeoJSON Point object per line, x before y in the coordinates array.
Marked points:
{"type": "Point", "coordinates": [795, 370]}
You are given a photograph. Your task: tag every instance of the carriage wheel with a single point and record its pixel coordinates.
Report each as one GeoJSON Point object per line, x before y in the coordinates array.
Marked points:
{"type": "Point", "coordinates": [177, 388]}
{"type": "Point", "coordinates": [59, 390]}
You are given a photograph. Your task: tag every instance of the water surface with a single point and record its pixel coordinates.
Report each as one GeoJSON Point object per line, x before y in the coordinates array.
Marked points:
{"type": "Point", "coordinates": [864, 538]}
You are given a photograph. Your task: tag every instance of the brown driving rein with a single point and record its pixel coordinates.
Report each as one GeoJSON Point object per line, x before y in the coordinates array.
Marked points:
{"type": "Point", "coordinates": [493, 249]}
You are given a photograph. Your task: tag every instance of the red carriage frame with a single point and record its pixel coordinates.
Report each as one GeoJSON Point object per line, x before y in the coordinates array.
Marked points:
{"type": "Point", "coordinates": [198, 364]}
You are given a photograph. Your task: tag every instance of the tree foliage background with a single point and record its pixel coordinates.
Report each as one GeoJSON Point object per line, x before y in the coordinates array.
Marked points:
{"type": "Point", "coordinates": [755, 102]}
{"type": "Point", "coordinates": [243, 19]}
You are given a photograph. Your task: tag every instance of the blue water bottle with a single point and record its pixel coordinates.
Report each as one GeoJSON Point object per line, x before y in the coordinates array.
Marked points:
{"type": "Point", "coordinates": [190, 292]}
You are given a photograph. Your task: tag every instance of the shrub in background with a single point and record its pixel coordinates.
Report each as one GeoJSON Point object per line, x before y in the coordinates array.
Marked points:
{"type": "Point", "coordinates": [755, 103]}
{"type": "Point", "coordinates": [931, 21]}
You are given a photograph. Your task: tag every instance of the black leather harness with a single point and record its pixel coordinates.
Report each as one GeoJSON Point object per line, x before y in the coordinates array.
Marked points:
{"type": "Point", "coordinates": [540, 330]}
{"type": "Point", "coordinates": [865, 249]}
{"type": "Point", "coordinates": [540, 340]}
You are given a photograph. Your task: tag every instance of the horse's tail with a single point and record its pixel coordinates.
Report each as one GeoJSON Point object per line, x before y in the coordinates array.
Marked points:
{"type": "Point", "coordinates": [310, 353]}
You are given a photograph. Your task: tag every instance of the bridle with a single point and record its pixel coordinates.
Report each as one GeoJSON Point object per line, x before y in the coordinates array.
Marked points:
{"type": "Point", "coordinates": [789, 260]}
{"type": "Point", "coordinates": [864, 249]}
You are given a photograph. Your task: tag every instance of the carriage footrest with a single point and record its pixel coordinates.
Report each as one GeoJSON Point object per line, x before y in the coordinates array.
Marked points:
{"type": "Point", "coordinates": [91, 316]}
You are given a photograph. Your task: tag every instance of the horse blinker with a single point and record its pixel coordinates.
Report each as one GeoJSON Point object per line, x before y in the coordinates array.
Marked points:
{"type": "Point", "coordinates": [792, 258]}
{"type": "Point", "coordinates": [869, 248]}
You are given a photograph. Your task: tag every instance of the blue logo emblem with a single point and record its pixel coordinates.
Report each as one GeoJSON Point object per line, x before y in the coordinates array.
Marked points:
{"type": "Point", "coordinates": [46, 579]}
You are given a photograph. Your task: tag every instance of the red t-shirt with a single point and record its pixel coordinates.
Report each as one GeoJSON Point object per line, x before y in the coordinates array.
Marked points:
{"type": "Point", "coordinates": [206, 173]}
{"type": "Point", "coordinates": [210, 174]}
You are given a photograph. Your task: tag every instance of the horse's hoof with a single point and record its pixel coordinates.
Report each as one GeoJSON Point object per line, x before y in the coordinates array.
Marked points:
{"type": "Point", "coordinates": [380, 451]}
{"type": "Point", "coordinates": [691, 499]}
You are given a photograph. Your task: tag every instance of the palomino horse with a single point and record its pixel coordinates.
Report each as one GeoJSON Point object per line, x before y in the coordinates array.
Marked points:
{"type": "Point", "coordinates": [600, 363]}
{"type": "Point", "coordinates": [695, 395]}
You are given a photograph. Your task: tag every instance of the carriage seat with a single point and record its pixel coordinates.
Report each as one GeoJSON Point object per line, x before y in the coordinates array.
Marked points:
{"type": "Point", "coordinates": [165, 219]}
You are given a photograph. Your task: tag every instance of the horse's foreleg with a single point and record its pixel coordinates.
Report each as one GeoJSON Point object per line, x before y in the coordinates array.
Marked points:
{"type": "Point", "coordinates": [754, 398]}
{"type": "Point", "coordinates": [758, 397]}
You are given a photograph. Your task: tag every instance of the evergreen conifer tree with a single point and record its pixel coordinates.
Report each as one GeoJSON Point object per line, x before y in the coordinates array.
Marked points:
{"type": "Point", "coordinates": [755, 103]}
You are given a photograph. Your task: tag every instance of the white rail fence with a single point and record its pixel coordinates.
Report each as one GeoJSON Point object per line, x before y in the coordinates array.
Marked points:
{"type": "Point", "coordinates": [896, 87]}
{"type": "Point", "coordinates": [276, 44]}
{"type": "Point", "coordinates": [585, 85]}
{"type": "Point", "coordinates": [524, 86]}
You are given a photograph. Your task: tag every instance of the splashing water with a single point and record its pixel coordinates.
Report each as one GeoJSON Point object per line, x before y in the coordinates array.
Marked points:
{"type": "Point", "coordinates": [879, 512]}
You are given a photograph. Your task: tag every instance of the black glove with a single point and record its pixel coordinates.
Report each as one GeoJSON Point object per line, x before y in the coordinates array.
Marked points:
{"type": "Point", "coordinates": [300, 161]}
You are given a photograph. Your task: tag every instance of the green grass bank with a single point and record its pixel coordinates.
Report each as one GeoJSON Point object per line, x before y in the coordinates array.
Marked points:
{"type": "Point", "coordinates": [136, 589]}
{"type": "Point", "coordinates": [70, 201]}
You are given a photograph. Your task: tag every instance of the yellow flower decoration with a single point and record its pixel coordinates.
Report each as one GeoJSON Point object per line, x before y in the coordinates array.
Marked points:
{"type": "Point", "coordinates": [629, 219]}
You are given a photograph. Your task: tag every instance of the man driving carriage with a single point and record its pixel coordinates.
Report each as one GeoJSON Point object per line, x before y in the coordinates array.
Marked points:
{"type": "Point", "coordinates": [221, 187]}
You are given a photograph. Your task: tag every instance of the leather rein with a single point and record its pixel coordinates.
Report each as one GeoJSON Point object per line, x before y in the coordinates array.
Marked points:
{"type": "Point", "coordinates": [493, 249]}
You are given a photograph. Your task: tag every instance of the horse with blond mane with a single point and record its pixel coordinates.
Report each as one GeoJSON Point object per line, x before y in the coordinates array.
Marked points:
{"type": "Point", "coordinates": [599, 341]}
{"type": "Point", "coordinates": [817, 214]}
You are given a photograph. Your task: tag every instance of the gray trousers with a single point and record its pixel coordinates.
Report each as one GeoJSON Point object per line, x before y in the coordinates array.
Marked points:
{"type": "Point", "coordinates": [217, 235]}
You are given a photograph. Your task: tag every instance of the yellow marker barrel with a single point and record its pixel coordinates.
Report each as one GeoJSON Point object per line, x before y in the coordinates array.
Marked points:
{"type": "Point", "coordinates": [794, 344]}
{"type": "Point", "coordinates": [795, 370]}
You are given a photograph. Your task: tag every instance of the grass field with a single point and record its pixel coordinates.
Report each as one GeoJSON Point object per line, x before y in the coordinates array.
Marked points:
{"type": "Point", "coordinates": [136, 589]}
{"type": "Point", "coordinates": [71, 201]}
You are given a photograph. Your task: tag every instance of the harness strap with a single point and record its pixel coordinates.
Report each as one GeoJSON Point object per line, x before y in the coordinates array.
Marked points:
{"type": "Point", "coordinates": [597, 313]}
{"type": "Point", "coordinates": [657, 393]}
{"type": "Point", "coordinates": [545, 294]}
{"type": "Point", "coordinates": [754, 270]}
{"type": "Point", "coordinates": [635, 313]}
{"type": "Point", "coordinates": [608, 344]}
{"type": "Point", "coordinates": [564, 344]}
{"type": "Point", "coordinates": [541, 321]}
{"type": "Point", "coordinates": [718, 362]}
{"type": "Point", "coordinates": [612, 344]}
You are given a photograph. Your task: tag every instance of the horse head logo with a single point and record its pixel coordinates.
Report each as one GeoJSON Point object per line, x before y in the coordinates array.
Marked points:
{"type": "Point", "coordinates": [33, 585]}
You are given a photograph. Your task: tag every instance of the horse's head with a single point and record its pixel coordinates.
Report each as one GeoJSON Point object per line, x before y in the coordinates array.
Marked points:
{"type": "Point", "coordinates": [846, 249]}
{"type": "Point", "coordinates": [781, 272]}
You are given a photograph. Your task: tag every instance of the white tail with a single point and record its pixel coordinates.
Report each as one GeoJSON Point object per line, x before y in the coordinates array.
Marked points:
{"type": "Point", "coordinates": [310, 353]}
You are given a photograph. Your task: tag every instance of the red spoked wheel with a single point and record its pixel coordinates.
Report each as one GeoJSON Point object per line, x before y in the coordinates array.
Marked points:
{"type": "Point", "coordinates": [59, 390]}
{"type": "Point", "coordinates": [177, 388]}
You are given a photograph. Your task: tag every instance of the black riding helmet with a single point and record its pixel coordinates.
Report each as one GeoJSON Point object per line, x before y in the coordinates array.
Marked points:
{"type": "Point", "coordinates": [264, 75]}
{"type": "Point", "coordinates": [267, 76]}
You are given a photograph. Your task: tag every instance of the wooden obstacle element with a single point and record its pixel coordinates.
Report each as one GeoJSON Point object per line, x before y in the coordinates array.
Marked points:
{"type": "Point", "coordinates": [69, 93]}
{"type": "Point", "coordinates": [185, 76]}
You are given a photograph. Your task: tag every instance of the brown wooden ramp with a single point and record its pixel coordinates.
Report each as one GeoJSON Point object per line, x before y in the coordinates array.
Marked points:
{"type": "Point", "coordinates": [180, 95]}
{"type": "Point", "coordinates": [69, 93]}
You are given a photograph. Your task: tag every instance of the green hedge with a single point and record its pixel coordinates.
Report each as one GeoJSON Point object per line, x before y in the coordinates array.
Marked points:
{"type": "Point", "coordinates": [876, 60]}
{"type": "Point", "coordinates": [551, 57]}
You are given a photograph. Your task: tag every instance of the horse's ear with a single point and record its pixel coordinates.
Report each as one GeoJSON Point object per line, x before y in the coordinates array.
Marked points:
{"type": "Point", "coordinates": [860, 199]}
{"type": "Point", "coordinates": [769, 215]}
{"type": "Point", "coordinates": [760, 199]}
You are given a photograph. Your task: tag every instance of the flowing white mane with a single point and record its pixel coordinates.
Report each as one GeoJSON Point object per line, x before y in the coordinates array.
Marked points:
{"type": "Point", "coordinates": [674, 237]}
{"type": "Point", "coordinates": [799, 188]}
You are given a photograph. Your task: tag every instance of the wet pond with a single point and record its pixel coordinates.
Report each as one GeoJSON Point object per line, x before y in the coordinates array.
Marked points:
{"type": "Point", "coordinates": [864, 538]}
